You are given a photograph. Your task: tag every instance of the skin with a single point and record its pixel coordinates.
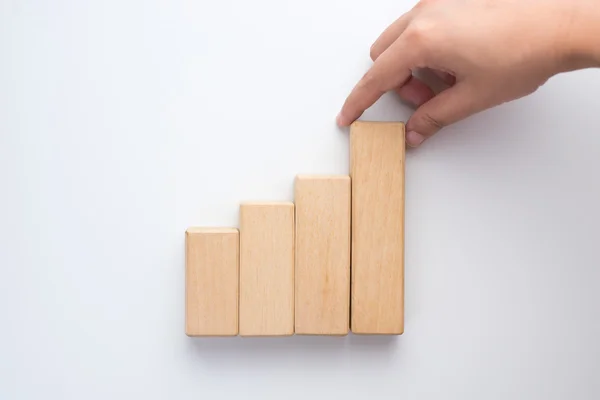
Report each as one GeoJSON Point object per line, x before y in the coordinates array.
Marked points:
{"type": "Point", "coordinates": [486, 52]}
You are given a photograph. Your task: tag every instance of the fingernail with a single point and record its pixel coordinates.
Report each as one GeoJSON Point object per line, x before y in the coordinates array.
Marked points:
{"type": "Point", "coordinates": [414, 138]}
{"type": "Point", "coordinates": [340, 120]}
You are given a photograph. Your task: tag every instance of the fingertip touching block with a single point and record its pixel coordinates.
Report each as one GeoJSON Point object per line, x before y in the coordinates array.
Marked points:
{"type": "Point", "coordinates": [377, 151]}
{"type": "Point", "coordinates": [211, 281]}
{"type": "Point", "coordinates": [267, 269]}
{"type": "Point", "coordinates": [322, 270]}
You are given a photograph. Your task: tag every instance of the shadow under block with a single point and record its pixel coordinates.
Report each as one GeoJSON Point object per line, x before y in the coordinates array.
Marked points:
{"type": "Point", "coordinates": [266, 269]}
{"type": "Point", "coordinates": [212, 281]}
{"type": "Point", "coordinates": [377, 151]}
{"type": "Point", "coordinates": [322, 270]}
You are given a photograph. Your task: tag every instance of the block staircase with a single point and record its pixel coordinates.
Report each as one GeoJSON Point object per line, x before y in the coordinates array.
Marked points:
{"type": "Point", "coordinates": [330, 262]}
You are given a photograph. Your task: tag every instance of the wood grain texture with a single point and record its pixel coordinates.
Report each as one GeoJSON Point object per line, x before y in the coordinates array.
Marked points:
{"type": "Point", "coordinates": [377, 153]}
{"type": "Point", "coordinates": [212, 281]}
{"type": "Point", "coordinates": [322, 270]}
{"type": "Point", "coordinates": [266, 269]}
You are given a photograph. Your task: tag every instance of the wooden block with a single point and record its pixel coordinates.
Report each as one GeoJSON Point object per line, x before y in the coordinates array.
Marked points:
{"type": "Point", "coordinates": [212, 281]}
{"type": "Point", "coordinates": [266, 269]}
{"type": "Point", "coordinates": [377, 152]}
{"type": "Point", "coordinates": [322, 270]}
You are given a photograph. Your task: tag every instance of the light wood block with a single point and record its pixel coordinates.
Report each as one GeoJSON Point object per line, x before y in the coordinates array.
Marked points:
{"type": "Point", "coordinates": [377, 151]}
{"type": "Point", "coordinates": [322, 270]}
{"type": "Point", "coordinates": [212, 281]}
{"type": "Point", "coordinates": [266, 269]}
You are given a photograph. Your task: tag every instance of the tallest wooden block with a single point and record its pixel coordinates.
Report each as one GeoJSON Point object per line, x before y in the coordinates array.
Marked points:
{"type": "Point", "coordinates": [377, 152]}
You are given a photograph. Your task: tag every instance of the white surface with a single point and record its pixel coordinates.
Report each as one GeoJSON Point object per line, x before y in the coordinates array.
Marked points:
{"type": "Point", "coordinates": [124, 122]}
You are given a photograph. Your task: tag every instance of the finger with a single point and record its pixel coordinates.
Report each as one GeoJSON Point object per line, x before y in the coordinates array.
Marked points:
{"type": "Point", "coordinates": [446, 108]}
{"type": "Point", "coordinates": [389, 35]}
{"type": "Point", "coordinates": [391, 70]}
{"type": "Point", "coordinates": [415, 91]}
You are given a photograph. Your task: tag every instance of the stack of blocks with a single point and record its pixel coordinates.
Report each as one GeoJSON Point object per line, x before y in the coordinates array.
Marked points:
{"type": "Point", "coordinates": [330, 262]}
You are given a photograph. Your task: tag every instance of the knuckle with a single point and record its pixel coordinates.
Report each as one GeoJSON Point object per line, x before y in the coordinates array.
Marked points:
{"type": "Point", "coordinates": [423, 29]}
{"type": "Point", "coordinates": [420, 36]}
{"type": "Point", "coordinates": [418, 32]}
{"type": "Point", "coordinates": [432, 122]}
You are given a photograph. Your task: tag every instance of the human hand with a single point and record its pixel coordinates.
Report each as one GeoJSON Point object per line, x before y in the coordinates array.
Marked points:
{"type": "Point", "coordinates": [487, 52]}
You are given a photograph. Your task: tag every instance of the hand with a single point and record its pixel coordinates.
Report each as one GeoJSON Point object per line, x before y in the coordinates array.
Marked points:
{"type": "Point", "coordinates": [486, 52]}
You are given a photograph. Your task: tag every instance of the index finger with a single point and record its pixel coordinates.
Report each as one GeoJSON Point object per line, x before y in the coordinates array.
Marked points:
{"type": "Point", "coordinates": [391, 70]}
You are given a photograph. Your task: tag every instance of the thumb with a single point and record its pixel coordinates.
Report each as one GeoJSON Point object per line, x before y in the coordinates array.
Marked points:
{"type": "Point", "coordinates": [448, 107]}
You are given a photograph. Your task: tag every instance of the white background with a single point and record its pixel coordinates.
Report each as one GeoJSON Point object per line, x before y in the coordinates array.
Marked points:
{"type": "Point", "coordinates": [124, 122]}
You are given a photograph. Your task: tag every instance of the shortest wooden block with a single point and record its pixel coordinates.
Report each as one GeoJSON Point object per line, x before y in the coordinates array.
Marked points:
{"type": "Point", "coordinates": [212, 281]}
